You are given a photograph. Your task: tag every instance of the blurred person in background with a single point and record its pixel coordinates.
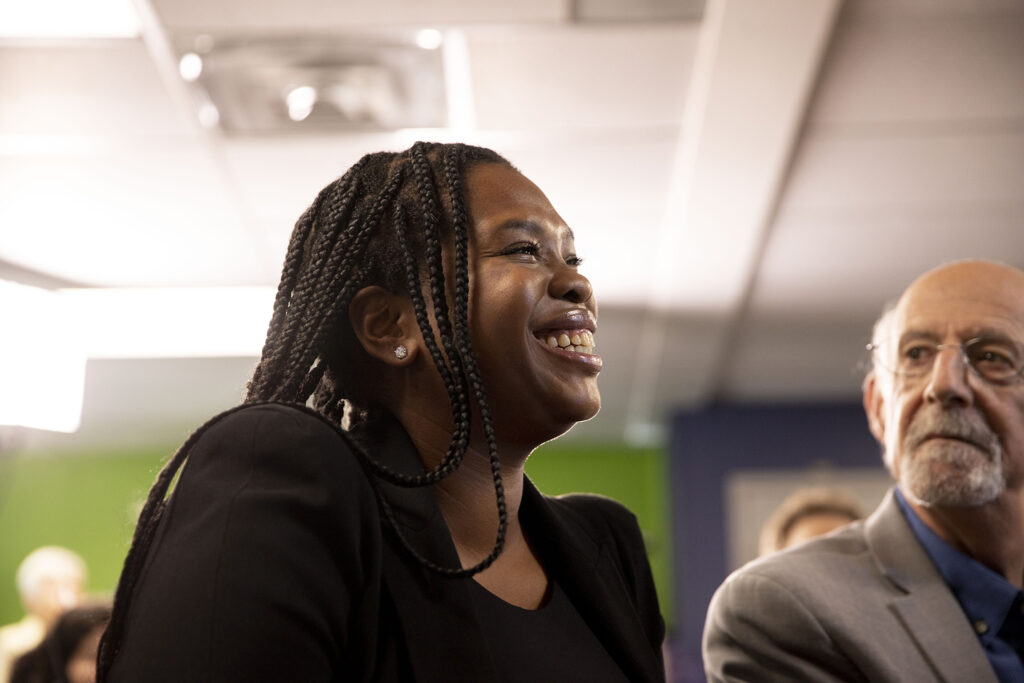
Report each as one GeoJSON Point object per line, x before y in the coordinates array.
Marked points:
{"type": "Point", "coordinates": [928, 588]}
{"type": "Point", "coordinates": [50, 580]}
{"type": "Point", "coordinates": [805, 514]}
{"type": "Point", "coordinates": [68, 652]}
{"type": "Point", "coordinates": [433, 312]}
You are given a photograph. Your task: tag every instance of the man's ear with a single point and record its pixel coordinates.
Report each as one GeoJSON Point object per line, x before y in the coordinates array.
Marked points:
{"type": "Point", "coordinates": [874, 407]}
{"type": "Point", "coordinates": [385, 324]}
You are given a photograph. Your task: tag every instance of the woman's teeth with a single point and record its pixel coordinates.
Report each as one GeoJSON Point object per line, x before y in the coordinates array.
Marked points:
{"type": "Point", "coordinates": [578, 341]}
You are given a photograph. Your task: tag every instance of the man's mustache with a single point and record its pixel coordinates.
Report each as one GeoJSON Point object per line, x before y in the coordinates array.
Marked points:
{"type": "Point", "coordinates": [954, 424]}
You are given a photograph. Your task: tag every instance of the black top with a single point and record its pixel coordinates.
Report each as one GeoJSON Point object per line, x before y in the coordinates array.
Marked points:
{"type": "Point", "coordinates": [272, 562]}
{"type": "Point", "coordinates": [552, 643]}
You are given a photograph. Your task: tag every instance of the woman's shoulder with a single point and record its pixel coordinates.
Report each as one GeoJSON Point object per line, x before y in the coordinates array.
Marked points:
{"type": "Point", "coordinates": [593, 510]}
{"type": "Point", "coordinates": [269, 438]}
{"type": "Point", "coordinates": [604, 520]}
{"type": "Point", "coordinates": [260, 424]}
{"type": "Point", "coordinates": [293, 419]}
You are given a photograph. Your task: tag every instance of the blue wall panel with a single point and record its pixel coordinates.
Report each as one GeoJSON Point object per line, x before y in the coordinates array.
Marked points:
{"type": "Point", "coordinates": [705, 446]}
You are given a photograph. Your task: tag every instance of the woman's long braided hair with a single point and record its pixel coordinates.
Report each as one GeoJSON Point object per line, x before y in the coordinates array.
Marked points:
{"type": "Point", "coordinates": [382, 223]}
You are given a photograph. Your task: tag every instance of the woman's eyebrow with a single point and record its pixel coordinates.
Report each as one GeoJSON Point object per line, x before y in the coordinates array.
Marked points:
{"type": "Point", "coordinates": [532, 227]}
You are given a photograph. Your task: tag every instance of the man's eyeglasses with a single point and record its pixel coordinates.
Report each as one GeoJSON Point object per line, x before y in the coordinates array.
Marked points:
{"type": "Point", "coordinates": [996, 360]}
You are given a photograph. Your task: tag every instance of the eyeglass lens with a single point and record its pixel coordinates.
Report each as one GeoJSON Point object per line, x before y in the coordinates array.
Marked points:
{"type": "Point", "coordinates": [994, 359]}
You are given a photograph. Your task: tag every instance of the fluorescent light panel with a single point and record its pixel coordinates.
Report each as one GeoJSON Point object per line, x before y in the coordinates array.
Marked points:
{"type": "Point", "coordinates": [68, 19]}
{"type": "Point", "coordinates": [42, 363]}
{"type": "Point", "coordinates": [187, 322]}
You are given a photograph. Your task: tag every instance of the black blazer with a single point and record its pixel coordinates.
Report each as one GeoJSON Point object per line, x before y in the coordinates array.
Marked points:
{"type": "Point", "coordinates": [273, 562]}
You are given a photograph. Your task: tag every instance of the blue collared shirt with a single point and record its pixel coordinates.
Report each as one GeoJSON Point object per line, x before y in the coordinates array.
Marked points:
{"type": "Point", "coordinates": [994, 606]}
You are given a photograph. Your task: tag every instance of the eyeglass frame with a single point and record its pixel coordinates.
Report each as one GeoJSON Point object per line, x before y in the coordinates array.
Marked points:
{"type": "Point", "coordinates": [965, 357]}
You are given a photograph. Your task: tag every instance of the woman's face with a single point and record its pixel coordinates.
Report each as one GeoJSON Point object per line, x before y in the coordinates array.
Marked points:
{"type": "Point", "coordinates": [528, 301]}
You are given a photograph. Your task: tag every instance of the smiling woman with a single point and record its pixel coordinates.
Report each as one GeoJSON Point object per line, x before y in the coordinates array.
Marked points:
{"type": "Point", "coordinates": [364, 515]}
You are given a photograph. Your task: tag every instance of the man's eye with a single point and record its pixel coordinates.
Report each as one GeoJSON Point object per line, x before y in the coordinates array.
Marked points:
{"type": "Point", "coordinates": [917, 354]}
{"type": "Point", "coordinates": [992, 357]}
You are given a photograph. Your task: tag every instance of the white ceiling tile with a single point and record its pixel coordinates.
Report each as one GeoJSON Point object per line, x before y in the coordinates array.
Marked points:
{"type": "Point", "coordinates": [278, 16]}
{"type": "Point", "coordinates": [154, 215]}
{"type": "Point", "coordinates": [932, 8]}
{"type": "Point", "coordinates": [913, 72]}
{"type": "Point", "coordinates": [90, 88]}
{"type": "Point", "coordinates": [596, 77]}
{"type": "Point", "coordinates": [854, 260]}
{"type": "Point", "coordinates": [924, 167]}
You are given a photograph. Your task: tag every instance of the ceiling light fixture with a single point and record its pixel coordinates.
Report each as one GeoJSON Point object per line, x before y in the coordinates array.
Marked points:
{"type": "Point", "coordinates": [429, 38]}
{"type": "Point", "coordinates": [300, 102]}
{"type": "Point", "coordinates": [347, 82]}
{"type": "Point", "coordinates": [41, 360]}
{"type": "Point", "coordinates": [190, 66]}
{"type": "Point", "coordinates": [164, 322]}
{"type": "Point", "coordinates": [49, 19]}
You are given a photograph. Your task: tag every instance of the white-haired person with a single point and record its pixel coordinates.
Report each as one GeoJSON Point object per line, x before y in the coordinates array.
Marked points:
{"type": "Point", "coordinates": [50, 580]}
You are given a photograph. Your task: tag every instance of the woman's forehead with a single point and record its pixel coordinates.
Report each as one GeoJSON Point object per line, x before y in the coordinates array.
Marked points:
{"type": "Point", "coordinates": [501, 199]}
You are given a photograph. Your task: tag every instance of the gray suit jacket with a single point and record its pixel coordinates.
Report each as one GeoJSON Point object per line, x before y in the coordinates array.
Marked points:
{"type": "Point", "coordinates": [862, 604]}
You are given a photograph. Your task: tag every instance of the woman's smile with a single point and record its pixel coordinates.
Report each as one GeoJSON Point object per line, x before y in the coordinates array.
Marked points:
{"type": "Point", "coordinates": [581, 354]}
{"type": "Point", "coordinates": [570, 335]}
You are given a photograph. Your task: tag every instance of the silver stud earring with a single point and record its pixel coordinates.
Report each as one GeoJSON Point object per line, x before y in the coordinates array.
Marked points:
{"type": "Point", "coordinates": [401, 352]}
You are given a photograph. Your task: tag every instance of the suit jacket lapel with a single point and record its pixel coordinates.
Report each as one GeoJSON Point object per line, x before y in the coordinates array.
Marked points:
{"type": "Point", "coordinates": [437, 614]}
{"type": "Point", "coordinates": [590, 576]}
{"type": "Point", "coordinates": [928, 609]}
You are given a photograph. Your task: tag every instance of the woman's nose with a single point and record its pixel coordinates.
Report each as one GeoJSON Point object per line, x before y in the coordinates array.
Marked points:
{"type": "Point", "coordinates": [569, 284]}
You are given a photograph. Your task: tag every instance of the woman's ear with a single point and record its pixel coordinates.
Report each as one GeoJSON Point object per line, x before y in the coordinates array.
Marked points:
{"type": "Point", "coordinates": [385, 325]}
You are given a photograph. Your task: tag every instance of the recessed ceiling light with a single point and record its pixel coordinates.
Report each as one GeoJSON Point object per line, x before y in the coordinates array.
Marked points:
{"type": "Point", "coordinates": [429, 39]}
{"type": "Point", "coordinates": [190, 66]}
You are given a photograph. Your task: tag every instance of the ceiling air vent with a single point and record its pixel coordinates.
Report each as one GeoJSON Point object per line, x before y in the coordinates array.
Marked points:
{"type": "Point", "coordinates": [625, 11]}
{"type": "Point", "coordinates": [321, 83]}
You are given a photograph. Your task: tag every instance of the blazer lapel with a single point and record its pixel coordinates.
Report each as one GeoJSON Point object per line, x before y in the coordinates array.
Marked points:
{"type": "Point", "coordinates": [590, 576]}
{"type": "Point", "coordinates": [437, 614]}
{"type": "Point", "coordinates": [928, 610]}
{"type": "Point", "coordinates": [438, 620]}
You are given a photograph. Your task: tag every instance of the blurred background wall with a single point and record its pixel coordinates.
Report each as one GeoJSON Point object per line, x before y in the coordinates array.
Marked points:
{"type": "Point", "coordinates": [749, 181]}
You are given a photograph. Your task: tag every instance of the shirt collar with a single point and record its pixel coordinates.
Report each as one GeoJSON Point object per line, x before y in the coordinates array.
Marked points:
{"type": "Point", "coordinates": [985, 596]}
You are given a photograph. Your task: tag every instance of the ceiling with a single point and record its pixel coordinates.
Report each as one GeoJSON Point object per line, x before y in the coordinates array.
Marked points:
{"type": "Point", "coordinates": [748, 181]}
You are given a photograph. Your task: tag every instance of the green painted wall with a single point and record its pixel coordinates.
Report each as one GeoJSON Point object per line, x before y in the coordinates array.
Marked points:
{"type": "Point", "coordinates": [89, 502]}
{"type": "Point", "coordinates": [635, 477]}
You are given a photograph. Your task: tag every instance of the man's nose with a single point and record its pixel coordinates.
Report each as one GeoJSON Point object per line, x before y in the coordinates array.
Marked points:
{"type": "Point", "coordinates": [947, 382]}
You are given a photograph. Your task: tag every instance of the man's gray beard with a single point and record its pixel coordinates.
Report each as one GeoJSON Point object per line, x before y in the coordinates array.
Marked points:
{"type": "Point", "coordinates": [952, 473]}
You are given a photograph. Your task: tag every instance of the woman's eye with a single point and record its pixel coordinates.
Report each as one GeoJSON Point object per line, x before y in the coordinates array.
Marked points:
{"type": "Point", "coordinates": [527, 248]}
{"type": "Point", "coordinates": [574, 261]}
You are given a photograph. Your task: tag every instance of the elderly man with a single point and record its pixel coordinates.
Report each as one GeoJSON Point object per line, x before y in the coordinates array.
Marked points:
{"type": "Point", "coordinates": [928, 588]}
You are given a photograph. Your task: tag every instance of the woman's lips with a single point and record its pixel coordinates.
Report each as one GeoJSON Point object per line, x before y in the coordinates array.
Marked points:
{"type": "Point", "coordinates": [573, 345]}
